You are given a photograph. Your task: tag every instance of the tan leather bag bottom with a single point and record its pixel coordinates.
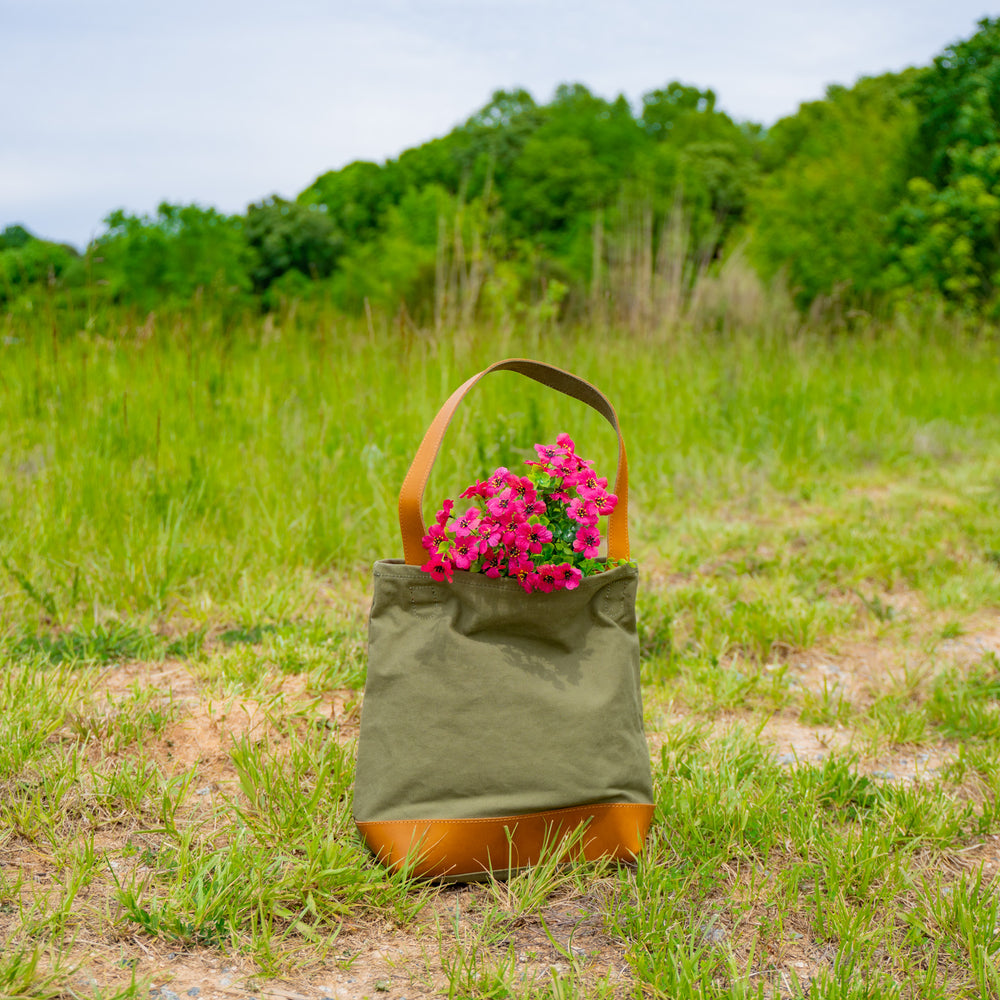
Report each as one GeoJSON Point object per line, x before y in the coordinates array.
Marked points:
{"type": "Point", "coordinates": [468, 849]}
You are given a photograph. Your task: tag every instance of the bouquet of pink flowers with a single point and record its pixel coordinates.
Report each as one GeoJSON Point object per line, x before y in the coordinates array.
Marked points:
{"type": "Point", "coordinates": [541, 529]}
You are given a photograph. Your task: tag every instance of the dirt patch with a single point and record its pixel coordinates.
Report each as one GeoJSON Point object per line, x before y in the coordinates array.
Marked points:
{"type": "Point", "coordinates": [792, 741]}
{"type": "Point", "coordinates": [971, 648]}
{"type": "Point", "coordinates": [172, 677]}
{"type": "Point", "coordinates": [357, 966]}
{"type": "Point", "coordinates": [378, 958]}
{"type": "Point", "coordinates": [205, 736]}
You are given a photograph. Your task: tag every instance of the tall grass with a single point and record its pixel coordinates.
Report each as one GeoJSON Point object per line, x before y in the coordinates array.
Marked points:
{"type": "Point", "coordinates": [190, 462]}
{"type": "Point", "coordinates": [792, 491]}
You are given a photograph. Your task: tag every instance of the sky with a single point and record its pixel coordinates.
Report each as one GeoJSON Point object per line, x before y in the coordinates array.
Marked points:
{"type": "Point", "coordinates": [114, 104]}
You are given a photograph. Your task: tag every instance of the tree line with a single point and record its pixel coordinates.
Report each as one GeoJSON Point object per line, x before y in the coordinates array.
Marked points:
{"type": "Point", "coordinates": [881, 192]}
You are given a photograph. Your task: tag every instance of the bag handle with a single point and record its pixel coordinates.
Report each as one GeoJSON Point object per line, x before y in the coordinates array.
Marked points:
{"type": "Point", "coordinates": [411, 495]}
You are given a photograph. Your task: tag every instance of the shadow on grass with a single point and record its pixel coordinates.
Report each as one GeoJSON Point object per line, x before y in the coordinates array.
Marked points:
{"type": "Point", "coordinates": [104, 644]}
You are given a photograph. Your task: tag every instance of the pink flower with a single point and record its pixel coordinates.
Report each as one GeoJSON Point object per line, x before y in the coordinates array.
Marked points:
{"type": "Point", "coordinates": [522, 569]}
{"type": "Point", "coordinates": [547, 578]}
{"type": "Point", "coordinates": [478, 489]}
{"type": "Point", "coordinates": [583, 511]}
{"type": "Point", "coordinates": [588, 540]}
{"type": "Point", "coordinates": [565, 441]}
{"type": "Point", "coordinates": [505, 505]}
{"type": "Point", "coordinates": [491, 564]}
{"type": "Point", "coordinates": [531, 537]}
{"type": "Point", "coordinates": [437, 535]}
{"type": "Point", "coordinates": [469, 521]}
{"type": "Point", "coordinates": [568, 576]}
{"type": "Point", "coordinates": [465, 551]}
{"type": "Point", "coordinates": [606, 504]}
{"type": "Point", "coordinates": [546, 452]}
{"type": "Point", "coordinates": [439, 569]}
{"type": "Point", "coordinates": [497, 481]}
{"type": "Point", "coordinates": [490, 532]}
{"type": "Point", "coordinates": [523, 488]}
{"type": "Point", "coordinates": [590, 486]}
{"type": "Point", "coordinates": [565, 465]}
{"type": "Point", "coordinates": [445, 512]}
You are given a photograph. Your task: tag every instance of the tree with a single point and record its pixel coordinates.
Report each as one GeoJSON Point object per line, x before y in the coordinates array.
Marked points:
{"type": "Point", "coordinates": [946, 233]}
{"type": "Point", "coordinates": [835, 171]}
{"type": "Point", "coordinates": [285, 236]}
{"type": "Point", "coordinates": [958, 100]}
{"type": "Point", "coordinates": [14, 237]}
{"type": "Point", "coordinates": [181, 249]}
{"type": "Point", "coordinates": [400, 265]}
{"type": "Point", "coordinates": [665, 108]}
{"type": "Point", "coordinates": [355, 198]}
{"type": "Point", "coordinates": [30, 263]}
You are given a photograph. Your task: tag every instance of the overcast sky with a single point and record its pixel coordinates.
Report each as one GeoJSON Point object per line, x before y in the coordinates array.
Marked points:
{"type": "Point", "coordinates": [113, 104]}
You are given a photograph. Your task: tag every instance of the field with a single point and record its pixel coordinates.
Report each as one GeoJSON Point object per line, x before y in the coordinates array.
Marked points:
{"type": "Point", "coordinates": [189, 506]}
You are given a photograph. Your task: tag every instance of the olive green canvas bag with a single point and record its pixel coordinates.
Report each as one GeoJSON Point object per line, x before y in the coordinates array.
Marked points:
{"type": "Point", "coordinates": [494, 720]}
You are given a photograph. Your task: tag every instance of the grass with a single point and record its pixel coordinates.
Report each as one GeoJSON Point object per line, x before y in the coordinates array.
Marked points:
{"type": "Point", "coordinates": [184, 526]}
{"type": "Point", "coordinates": [219, 477]}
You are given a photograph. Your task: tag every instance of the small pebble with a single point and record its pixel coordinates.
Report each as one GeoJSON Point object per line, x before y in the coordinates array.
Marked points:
{"type": "Point", "coordinates": [168, 995]}
{"type": "Point", "coordinates": [226, 981]}
{"type": "Point", "coordinates": [194, 991]}
{"type": "Point", "coordinates": [714, 934]}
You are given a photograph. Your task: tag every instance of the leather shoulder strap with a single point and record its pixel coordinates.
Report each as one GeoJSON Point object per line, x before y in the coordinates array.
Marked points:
{"type": "Point", "coordinates": [411, 519]}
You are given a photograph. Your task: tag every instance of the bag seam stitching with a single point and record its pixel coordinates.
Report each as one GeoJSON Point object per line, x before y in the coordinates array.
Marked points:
{"type": "Point", "coordinates": [513, 816]}
{"type": "Point", "coordinates": [492, 586]}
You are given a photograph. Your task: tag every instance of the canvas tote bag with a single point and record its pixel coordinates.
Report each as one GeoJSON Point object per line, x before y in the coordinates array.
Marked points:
{"type": "Point", "coordinates": [495, 720]}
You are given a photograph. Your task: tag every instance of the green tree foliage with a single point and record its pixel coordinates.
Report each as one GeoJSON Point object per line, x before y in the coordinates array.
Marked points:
{"type": "Point", "coordinates": [890, 186]}
{"type": "Point", "coordinates": [833, 172]}
{"type": "Point", "coordinates": [541, 175]}
{"type": "Point", "coordinates": [701, 156]}
{"type": "Point", "coordinates": [356, 198]}
{"type": "Point", "coordinates": [572, 164]}
{"type": "Point", "coordinates": [169, 256]}
{"type": "Point", "coordinates": [958, 101]}
{"type": "Point", "coordinates": [494, 136]}
{"type": "Point", "coordinates": [400, 264]}
{"type": "Point", "coordinates": [287, 236]}
{"type": "Point", "coordinates": [946, 234]}
{"type": "Point", "coordinates": [13, 237]}
{"type": "Point", "coordinates": [27, 262]}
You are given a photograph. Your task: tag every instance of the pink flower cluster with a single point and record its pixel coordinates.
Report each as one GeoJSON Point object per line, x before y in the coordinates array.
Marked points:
{"type": "Point", "coordinates": [541, 529]}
